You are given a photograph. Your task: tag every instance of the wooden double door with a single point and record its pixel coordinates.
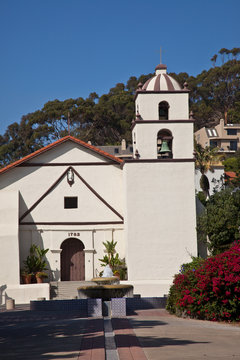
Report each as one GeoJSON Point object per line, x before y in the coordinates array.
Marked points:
{"type": "Point", "coordinates": [72, 260]}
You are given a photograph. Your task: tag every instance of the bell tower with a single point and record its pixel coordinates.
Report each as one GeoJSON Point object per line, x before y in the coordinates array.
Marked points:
{"type": "Point", "coordinates": [160, 221]}
{"type": "Point", "coordinates": [162, 128]}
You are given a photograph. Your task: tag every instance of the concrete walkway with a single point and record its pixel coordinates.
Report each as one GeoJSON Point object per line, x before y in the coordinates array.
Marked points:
{"type": "Point", "coordinates": [164, 336]}
{"type": "Point", "coordinates": [33, 335]}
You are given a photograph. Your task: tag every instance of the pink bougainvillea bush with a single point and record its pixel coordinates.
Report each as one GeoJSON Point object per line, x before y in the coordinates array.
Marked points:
{"type": "Point", "coordinates": [211, 291]}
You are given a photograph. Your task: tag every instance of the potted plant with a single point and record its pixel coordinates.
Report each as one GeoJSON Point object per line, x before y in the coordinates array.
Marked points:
{"type": "Point", "coordinates": [26, 277]}
{"type": "Point", "coordinates": [40, 275]}
{"type": "Point", "coordinates": [35, 262]}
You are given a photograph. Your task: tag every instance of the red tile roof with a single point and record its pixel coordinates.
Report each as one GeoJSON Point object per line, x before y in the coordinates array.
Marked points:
{"type": "Point", "coordinates": [56, 143]}
{"type": "Point", "coordinates": [230, 174]}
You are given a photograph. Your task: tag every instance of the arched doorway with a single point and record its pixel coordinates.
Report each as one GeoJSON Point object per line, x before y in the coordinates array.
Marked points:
{"type": "Point", "coordinates": [72, 260]}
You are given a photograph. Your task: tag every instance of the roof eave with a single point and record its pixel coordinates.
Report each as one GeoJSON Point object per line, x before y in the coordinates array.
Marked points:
{"type": "Point", "coordinates": [55, 144]}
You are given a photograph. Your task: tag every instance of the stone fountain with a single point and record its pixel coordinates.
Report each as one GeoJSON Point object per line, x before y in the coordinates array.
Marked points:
{"type": "Point", "coordinates": [105, 287]}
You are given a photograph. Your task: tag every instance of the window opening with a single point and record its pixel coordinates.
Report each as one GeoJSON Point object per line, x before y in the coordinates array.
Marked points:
{"type": "Point", "coordinates": [232, 131]}
{"type": "Point", "coordinates": [70, 202]}
{"type": "Point", "coordinates": [213, 143]}
{"type": "Point", "coordinates": [163, 110]}
{"type": "Point", "coordinates": [233, 145]}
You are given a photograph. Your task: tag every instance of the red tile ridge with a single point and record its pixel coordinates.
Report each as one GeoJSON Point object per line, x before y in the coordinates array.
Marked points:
{"type": "Point", "coordinates": [56, 143]}
{"type": "Point", "coordinates": [231, 174]}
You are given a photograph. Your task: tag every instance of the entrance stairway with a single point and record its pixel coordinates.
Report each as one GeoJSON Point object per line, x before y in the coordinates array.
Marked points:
{"type": "Point", "coordinates": [62, 290]}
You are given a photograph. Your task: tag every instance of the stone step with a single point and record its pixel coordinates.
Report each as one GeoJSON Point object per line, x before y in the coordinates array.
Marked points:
{"type": "Point", "coordinates": [60, 290]}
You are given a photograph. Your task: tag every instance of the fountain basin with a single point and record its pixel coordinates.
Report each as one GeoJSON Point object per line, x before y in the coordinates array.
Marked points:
{"type": "Point", "coordinates": [105, 292]}
{"type": "Point", "coordinates": [113, 280]}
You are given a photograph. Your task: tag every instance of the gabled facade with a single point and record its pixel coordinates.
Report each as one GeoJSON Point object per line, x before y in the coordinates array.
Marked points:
{"type": "Point", "coordinates": [71, 196]}
{"type": "Point", "coordinates": [39, 204]}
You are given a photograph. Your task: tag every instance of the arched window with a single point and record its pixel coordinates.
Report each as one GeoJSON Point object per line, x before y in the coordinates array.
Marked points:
{"type": "Point", "coordinates": [163, 107]}
{"type": "Point", "coordinates": [164, 144]}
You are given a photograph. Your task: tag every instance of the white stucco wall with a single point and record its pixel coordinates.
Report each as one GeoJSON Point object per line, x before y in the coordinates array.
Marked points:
{"type": "Point", "coordinates": [21, 187]}
{"type": "Point", "coordinates": [215, 178]}
{"type": "Point", "coordinates": [33, 182]}
{"type": "Point", "coordinates": [147, 105]}
{"type": "Point", "coordinates": [146, 139]}
{"type": "Point", "coordinates": [92, 237]}
{"type": "Point", "coordinates": [68, 151]}
{"type": "Point", "coordinates": [23, 294]}
{"type": "Point", "coordinates": [161, 220]}
{"type": "Point", "coordinates": [9, 262]}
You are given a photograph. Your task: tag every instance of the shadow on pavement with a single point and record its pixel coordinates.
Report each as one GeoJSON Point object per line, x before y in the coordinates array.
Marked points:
{"type": "Point", "coordinates": [24, 335]}
{"type": "Point", "coordinates": [158, 342]}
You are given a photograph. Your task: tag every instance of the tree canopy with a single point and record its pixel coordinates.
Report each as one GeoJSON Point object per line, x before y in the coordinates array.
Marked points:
{"type": "Point", "coordinates": [221, 220]}
{"type": "Point", "coordinates": [106, 119]}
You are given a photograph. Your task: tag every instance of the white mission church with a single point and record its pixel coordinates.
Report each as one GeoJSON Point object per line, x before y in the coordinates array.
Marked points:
{"type": "Point", "coordinates": [71, 196]}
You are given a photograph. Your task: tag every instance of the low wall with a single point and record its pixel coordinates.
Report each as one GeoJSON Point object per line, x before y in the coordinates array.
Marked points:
{"type": "Point", "coordinates": [93, 307]}
{"type": "Point", "coordinates": [23, 294]}
{"type": "Point", "coordinates": [84, 307]}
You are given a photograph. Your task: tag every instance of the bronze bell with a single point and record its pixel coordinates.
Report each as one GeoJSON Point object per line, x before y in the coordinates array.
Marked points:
{"type": "Point", "coordinates": [164, 148]}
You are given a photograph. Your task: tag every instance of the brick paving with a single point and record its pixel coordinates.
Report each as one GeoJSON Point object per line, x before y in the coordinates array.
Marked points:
{"type": "Point", "coordinates": [92, 344]}
{"type": "Point", "coordinates": [127, 343]}
{"type": "Point", "coordinates": [147, 335]}
{"type": "Point", "coordinates": [82, 339]}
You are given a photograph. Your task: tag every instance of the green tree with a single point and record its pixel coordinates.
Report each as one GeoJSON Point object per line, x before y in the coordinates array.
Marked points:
{"type": "Point", "coordinates": [232, 164]}
{"type": "Point", "coordinates": [106, 119]}
{"type": "Point", "coordinates": [221, 220]}
{"type": "Point", "coordinates": [181, 77]}
{"type": "Point", "coordinates": [235, 52]}
{"type": "Point", "coordinates": [223, 52]}
{"type": "Point", "coordinates": [218, 89]}
{"type": "Point", "coordinates": [214, 59]}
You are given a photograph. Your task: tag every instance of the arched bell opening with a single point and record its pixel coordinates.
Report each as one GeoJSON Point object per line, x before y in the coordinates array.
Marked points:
{"type": "Point", "coordinates": [72, 260]}
{"type": "Point", "coordinates": [164, 144]}
{"type": "Point", "coordinates": [163, 108]}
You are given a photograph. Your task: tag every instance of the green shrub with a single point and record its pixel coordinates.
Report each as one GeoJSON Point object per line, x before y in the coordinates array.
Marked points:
{"type": "Point", "coordinates": [202, 198]}
{"type": "Point", "coordinates": [193, 265]}
{"type": "Point", "coordinates": [173, 293]}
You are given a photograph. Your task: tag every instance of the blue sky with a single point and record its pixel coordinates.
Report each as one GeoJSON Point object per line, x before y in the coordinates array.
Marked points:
{"type": "Point", "coordinates": [60, 49]}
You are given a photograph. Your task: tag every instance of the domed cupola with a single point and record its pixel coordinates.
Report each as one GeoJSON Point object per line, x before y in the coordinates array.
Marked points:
{"type": "Point", "coordinates": [161, 81]}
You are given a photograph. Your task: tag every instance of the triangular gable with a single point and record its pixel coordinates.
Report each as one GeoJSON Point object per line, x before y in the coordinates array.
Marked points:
{"type": "Point", "coordinates": [96, 150]}
{"type": "Point", "coordinates": [93, 208]}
